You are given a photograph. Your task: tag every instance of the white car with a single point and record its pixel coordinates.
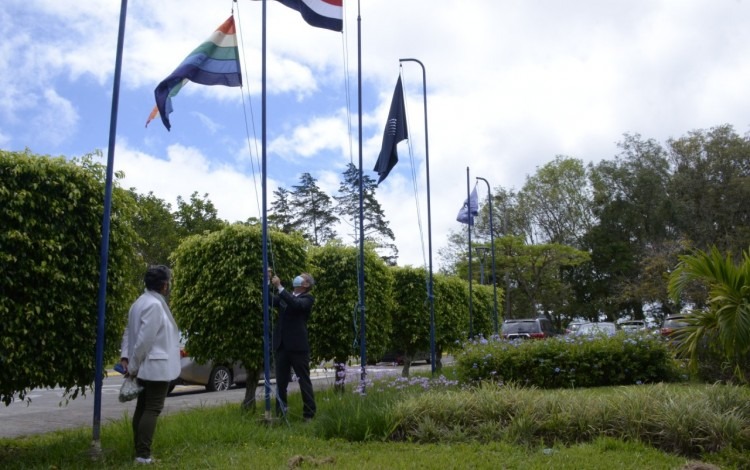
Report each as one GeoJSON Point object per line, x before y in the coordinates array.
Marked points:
{"type": "Point", "coordinates": [633, 326]}
{"type": "Point", "coordinates": [215, 377]}
{"type": "Point", "coordinates": [594, 329]}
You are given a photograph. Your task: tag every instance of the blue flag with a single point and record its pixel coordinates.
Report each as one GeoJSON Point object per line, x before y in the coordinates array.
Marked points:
{"type": "Point", "coordinates": [470, 209]}
{"type": "Point", "coordinates": [395, 132]}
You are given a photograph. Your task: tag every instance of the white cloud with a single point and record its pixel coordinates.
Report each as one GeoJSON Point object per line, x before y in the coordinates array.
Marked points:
{"type": "Point", "coordinates": [56, 119]}
{"type": "Point", "coordinates": [186, 170]}
{"type": "Point", "coordinates": [310, 139]}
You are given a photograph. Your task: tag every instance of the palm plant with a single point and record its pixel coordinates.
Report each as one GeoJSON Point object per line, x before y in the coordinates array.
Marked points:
{"type": "Point", "coordinates": [724, 325]}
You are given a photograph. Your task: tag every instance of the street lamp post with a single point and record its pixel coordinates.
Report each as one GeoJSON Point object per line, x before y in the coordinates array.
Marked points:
{"type": "Point", "coordinates": [482, 254]}
{"type": "Point", "coordinates": [492, 251]}
{"type": "Point", "coordinates": [430, 283]}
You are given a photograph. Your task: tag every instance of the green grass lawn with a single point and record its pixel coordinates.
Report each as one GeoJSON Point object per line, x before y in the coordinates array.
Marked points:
{"type": "Point", "coordinates": [421, 423]}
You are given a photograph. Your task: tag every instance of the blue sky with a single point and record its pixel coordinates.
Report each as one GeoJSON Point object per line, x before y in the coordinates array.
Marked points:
{"type": "Point", "coordinates": [511, 84]}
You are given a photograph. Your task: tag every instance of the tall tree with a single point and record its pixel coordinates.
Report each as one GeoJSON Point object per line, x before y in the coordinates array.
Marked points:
{"type": "Point", "coordinates": [632, 203]}
{"type": "Point", "coordinates": [711, 187]}
{"type": "Point", "coordinates": [282, 215]}
{"type": "Point", "coordinates": [314, 216]}
{"type": "Point", "coordinates": [536, 271]}
{"type": "Point", "coordinates": [507, 216]}
{"type": "Point", "coordinates": [156, 226]}
{"type": "Point", "coordinates": [197, 216]}
{"type": "Point", "coordinates": [377, 230]}
{"type": "Point", "coordinates": [559, 201]}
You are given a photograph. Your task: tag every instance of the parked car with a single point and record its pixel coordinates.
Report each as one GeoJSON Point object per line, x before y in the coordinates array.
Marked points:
{"type": "Point", "coordinates": [671, 323]}
{"type": "Point", "coordinates": [215, 377]}
{"type": "Point", "coordinates": [528, 328]}
{"type": "Point", "coordinates": [573, 326]}
{"type": "Point", "coordinates": [633, 326]}
{"type": "Point", "coordinates": [598, 328]}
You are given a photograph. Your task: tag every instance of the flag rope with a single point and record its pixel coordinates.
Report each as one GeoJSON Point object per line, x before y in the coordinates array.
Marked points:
{"type": "Point", "coordinates": [414, 181]}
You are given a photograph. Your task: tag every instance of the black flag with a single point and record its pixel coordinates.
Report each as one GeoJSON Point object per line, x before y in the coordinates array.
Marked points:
{"type": "Point", "coordinates": [395, 132]}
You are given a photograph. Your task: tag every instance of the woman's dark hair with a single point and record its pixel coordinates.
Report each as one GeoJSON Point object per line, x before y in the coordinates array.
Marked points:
{"type": "Point", "coordinates": [156, 276]}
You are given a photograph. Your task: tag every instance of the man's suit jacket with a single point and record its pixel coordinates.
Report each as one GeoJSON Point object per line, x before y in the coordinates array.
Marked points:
{"type": "Point", "coordinates": [291, 326]}
{"type": "Point", "coordinates": [151, 341]}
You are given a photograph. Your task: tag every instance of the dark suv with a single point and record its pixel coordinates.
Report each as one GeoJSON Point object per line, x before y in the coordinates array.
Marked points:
{"type": "Point", "coordinates": [528, 328]}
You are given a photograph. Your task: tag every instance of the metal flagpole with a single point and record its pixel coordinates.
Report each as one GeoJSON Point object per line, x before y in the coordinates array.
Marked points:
{"type": "Point", "coordinates": [104, 249]}
{"type": "Point", "coordinates": [471, 222]}
{"type": "Point", "coordinates": [361, 277]}
{"type": "Point", "coordinates": [264, 225]}
{"type": "Point", "coordinates": [492, 248]}
{"type": "Point", "coordinates": [430, 296]}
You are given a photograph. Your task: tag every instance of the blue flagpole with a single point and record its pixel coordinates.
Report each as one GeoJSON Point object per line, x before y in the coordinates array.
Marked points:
{"type": "Point", "coordinates": [430, 296]}
{"type": "Point", "coordinates": [361, 274]}
{"type": "Point", "coordinates": [264, 230]}
{"type": "Point", "coordinates": [104, 249]}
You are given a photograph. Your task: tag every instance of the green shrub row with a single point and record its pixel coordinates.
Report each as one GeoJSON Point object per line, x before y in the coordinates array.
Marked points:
{"type": "Point", "coordinates": [569, 362]}
{"type": "Point", "coordinates": [216, 299]}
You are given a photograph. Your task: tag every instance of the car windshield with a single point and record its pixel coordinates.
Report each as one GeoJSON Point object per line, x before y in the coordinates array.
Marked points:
{"type": "Point", "coordinates": [520, 327]}
{"type": "Point", "coordinates": [591, 328]}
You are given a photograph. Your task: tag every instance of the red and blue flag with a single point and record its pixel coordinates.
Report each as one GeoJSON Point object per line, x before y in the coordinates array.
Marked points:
{"type": "Point", "coordinates": [326, 14]}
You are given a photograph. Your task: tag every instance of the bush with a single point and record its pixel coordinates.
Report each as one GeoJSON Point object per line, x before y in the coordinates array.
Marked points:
{"type": "Point", "coordinates": [51, 217]}
{"type": "Point", "coordinates": [217, 293]}
{"type": "Point", "coordinates": [334, 327]}
{"type": "Point", "coordinates": [567, 362]}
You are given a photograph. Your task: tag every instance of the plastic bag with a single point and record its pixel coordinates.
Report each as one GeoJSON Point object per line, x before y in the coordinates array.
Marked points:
{"type": "Point", "coordinates": [129, 389]}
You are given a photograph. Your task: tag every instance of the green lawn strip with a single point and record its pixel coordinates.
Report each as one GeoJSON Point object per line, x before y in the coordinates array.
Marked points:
{"type": "Point", "coordinates": [408, 426]}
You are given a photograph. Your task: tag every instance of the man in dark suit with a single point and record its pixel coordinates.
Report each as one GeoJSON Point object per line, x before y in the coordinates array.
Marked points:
{"type": "Point", "coordinates": [290, 345]}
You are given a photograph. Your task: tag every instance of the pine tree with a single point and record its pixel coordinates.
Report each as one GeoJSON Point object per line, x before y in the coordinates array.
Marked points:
{"type": "Point", "coordinates": [377, 230]}
{"type": "Point", "coordinates": [282, 215]}
{"type": "Point", "coordinates": [313, 211]}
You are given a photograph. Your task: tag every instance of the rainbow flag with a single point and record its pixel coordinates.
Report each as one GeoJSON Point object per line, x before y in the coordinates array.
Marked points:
{"type": "Point", "coordinates": [215, 62]}
{"type": "Point", "coordinates": [326, 14]}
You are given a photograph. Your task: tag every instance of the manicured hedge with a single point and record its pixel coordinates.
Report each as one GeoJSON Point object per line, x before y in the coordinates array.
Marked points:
{"type": "Point", "coordinates": [569, 362]}
{"type": "Point", "coordinates": [217, 295]}
{"type": "Point", "coordinates": [334, 327]}
{"type": "Point", "coordinates": [51, 217]}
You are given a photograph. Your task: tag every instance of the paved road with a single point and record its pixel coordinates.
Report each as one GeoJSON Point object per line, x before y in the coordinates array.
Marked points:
{"type": "Point", "coordinates": [47, 412]}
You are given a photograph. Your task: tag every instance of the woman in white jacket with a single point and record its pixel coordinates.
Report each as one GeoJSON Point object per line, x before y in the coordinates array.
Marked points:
{"type": "Point", "coordinates": [151, 352]}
